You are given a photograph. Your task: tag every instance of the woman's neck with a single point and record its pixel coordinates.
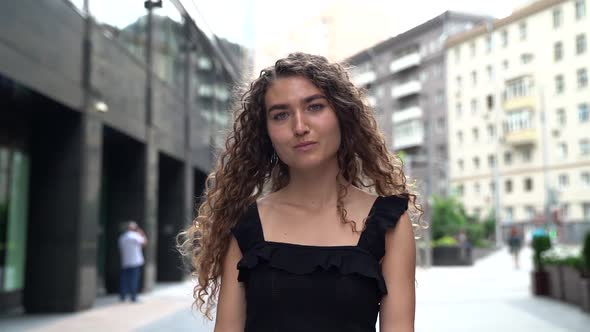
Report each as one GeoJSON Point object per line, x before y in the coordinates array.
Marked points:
{"type": "Point", "coordinates": [314, 189]}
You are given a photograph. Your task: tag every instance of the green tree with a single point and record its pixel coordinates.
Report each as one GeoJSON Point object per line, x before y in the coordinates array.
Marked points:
{"type": "Point", "coordinates": [447, 217]}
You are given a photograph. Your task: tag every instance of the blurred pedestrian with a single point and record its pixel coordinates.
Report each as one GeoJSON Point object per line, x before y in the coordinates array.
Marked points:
{"type": "Point", "coordinates": [292, 205]}
{"type": "Point", "coordinates": [131, 243]}
{"type": "Point", "coordinates": [515, 244]}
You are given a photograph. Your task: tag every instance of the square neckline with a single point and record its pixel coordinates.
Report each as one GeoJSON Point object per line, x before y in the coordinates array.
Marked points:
{"type": "Point", "coordinates": [311, 246]}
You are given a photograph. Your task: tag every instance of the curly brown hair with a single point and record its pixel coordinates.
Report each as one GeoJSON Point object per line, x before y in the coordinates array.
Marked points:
{"type": "Point", "coordinates": [244, 169]}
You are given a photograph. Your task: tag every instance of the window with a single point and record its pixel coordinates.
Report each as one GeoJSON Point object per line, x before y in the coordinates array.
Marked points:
{"type": "Point", "coordinates": [508, 213]}
{"type": "Point", "coordinates": [458, 79]}
{"type": "Point", "coordinates": [460, 190]}
{"type": "Point", "coordinates": [563, 181]}
{"type": "Point", "coordinates": [460, 136]}
{"type": "Point", "coordinates": [586, 211]}
{"type": "Point", "coordinates": [488, 43]}
{"type": "Point", "coordinates": [585, 147]}
{"type": "Point", "coordinates": [491, 132]}
{"type": "Point", "coordinates": [526, 58]}
{"type": "Point", "coordinates": [519, 87]}
{"type": "Point", "coordinates": [474, 77]}
{"type": "Point", "coordinates": [559, 84]}
{"type": "Point", "coordinates": [528, 184]}
{"type": "Point", "coordinates": [437, 71]}
{"type": "Point", "coordinates": [476, 162]}
{"type": "Point", "coordinates": [583, 115]}
{"type": "Point", "coordinates": [507, 158]}
{"type": "Point", "coordinates": [440, 125]}
{"type": "Point", "coordinates": [580, 43]}
{"type": "Point", "coordinates": [561, 119]}
{"type": "Point", "coordinates": [460, 164]}
{"type": "Point", "coordinates": [565, 211]}
{"type": "Point", "coordinates": [527, 155]}
{"type": "Point", "coordinates": [472, 48]}
{"type": "Point", "coordinates": [508, 186]}
{"type": "Point", "coordinates": [582, 75]}
{"type": "Point", "coordinates": [458, 109]}
{"type": "Point", "coordinates": [477, 188]}
{"type": "Point", "coordinates": [424, 75]}
{"type": "Point", "coordinates": [562, 150]}
{"type": "Point", "coordinates": [504, 37]}
{"type": "Point", "coordinates": [473, 105]}
{"type": "Point", "coordinates": [557, 51]}
{"type": "Point", "coordinates": [490, 72]}
{"type": "Point", "coordinates": [522, 30]}
{"type": "Point", "coordinates": [492, 187]}
{"type": "Point", "coordinates": [580, 9]}
{"type": "Point", "coordinates": [475, 132]}
{"type": "Point", "coordinates": [491, 161]}
{"type": "Point", "coordinates": [505, 64]}
{"type": "Point", "coordinates": [529, 212]}
{"type": "Point", "coordinates": [490, 102]}
{"type": "Point", "coordinates": [557, 18]}
{"type": "Point", "coordinates": [439, 97]}
{"type": "Point", "coordinates": [585, 179]}
{"type": "Point", "coordinates": [519, 120]}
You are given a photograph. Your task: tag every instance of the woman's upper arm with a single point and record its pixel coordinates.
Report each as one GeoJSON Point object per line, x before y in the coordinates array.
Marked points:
{"type": "Point", "coordinates": [399, 269]}
{"type": "Point", "coordinates": [231, 308]}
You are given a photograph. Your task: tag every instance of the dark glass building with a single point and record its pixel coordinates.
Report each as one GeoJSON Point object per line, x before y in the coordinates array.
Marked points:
{"type": "Point", "coordinates": [106, 115]}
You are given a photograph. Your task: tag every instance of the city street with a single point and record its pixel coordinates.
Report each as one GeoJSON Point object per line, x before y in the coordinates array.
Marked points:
{"type": "Point", "coordinates": [490, 296]}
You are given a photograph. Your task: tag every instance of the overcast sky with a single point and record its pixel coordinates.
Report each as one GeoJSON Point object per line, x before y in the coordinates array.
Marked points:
{"type": "Point", "coordinates": [265, 20]}
{"type": "Point", "coordinates": [256, 22]}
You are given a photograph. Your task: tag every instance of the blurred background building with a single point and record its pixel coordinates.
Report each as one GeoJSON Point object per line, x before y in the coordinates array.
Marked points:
{"type": "Point", "coordinates": [109, 111]}
{"type": "Point", "coordinates": [405, 80]}
{"type": "Point", "coordinates": [518, 107]}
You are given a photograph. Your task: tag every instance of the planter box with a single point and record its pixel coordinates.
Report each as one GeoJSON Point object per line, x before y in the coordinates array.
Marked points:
{"type": "Point", "coordinates": [451, 255]}
{"type": "Point", "coordinates": [585, 294]}
{"type": "Point", "coordinates": [555, 281]}
{"type": "Point", "coordinates": [540, 283]}
{"type": "Point", "coordinates": [571, 284]}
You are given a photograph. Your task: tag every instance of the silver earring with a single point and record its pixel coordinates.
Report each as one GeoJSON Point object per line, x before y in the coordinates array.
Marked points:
{"type": "Point", "coordinates": [274, 159]}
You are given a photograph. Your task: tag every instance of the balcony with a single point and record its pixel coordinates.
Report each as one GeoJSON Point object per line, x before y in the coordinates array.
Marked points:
{"type": "Point", "coordinates": [521, 137]}
{"type": "Point", "coordinates": [408, 134]}
{"type": "Point", "coordinates": [364, 78]}
{"type": "Point", "coordinates": [410, 113]}
{"type": "Point", "coordinates": [405, 62]}
{"type": "Point", "coordinates": [406, 89]}
{"type": "Point", "coordinates": [523, 102]}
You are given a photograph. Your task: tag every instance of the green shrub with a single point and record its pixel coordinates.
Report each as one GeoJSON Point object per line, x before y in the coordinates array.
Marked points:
{"type": "Point", "coordinates": [541, 243]}
{"type": "Point", "coordinates": [445, 241]}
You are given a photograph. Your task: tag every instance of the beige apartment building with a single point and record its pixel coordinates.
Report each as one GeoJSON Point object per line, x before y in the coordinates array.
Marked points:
{"type": "Point", "coordinates": [503, 79]}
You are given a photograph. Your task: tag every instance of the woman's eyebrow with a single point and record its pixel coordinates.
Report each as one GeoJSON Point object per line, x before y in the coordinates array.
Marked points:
{"type": "Point", "coordinates": [313, 97]}
{"type": "Point", "coordinates": [278, 107]}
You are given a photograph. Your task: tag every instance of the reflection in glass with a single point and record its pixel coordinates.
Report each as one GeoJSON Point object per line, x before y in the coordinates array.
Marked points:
{"type": "Point", "coordinates": [78, 4]}
{"type": "Point", "coordinates": [168, 44]}
{"type": "Point", "coordinates": [124, 21]}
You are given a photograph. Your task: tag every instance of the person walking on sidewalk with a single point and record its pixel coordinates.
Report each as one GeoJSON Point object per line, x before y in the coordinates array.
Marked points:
{"type": "Point", "coordinates": [304, 226]}
{"type": "Point", "coordinates": [131, 243]}
{"type": "Point", "coordinates": [515, 244]}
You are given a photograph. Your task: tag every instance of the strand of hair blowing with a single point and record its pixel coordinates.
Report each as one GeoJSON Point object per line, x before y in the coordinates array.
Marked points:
{"type": "Point", "coordinates": [244, 169]}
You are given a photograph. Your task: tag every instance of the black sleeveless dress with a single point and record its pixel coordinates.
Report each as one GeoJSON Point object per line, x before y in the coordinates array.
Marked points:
{"type": "Point", "coordinates": [301, 288]}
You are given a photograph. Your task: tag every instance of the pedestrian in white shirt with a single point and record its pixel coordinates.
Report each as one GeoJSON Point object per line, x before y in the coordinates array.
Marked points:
{"type": "Point", "coordinates": [131, 243]}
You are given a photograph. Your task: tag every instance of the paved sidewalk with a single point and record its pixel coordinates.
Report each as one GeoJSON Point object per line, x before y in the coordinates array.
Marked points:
{"type": "Point", "coordinates": [491, 296]}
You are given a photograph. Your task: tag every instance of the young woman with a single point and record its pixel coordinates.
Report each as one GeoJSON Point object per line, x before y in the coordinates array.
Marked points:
{"type": "Point", "coordinates": [304, 224]}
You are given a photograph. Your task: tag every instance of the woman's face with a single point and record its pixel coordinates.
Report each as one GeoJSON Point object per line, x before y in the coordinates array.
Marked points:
{"type": "Point", "coordinates": [302, 125]}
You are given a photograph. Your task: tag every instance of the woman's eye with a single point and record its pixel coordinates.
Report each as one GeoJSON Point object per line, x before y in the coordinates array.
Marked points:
{"type": "Point", "coordinates": [315, 107]}
{"type": "Point", "coordinates": [280, 116]}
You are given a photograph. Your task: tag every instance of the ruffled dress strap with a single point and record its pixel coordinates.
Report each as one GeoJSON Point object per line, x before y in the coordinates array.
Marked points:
{"type": "Point", "coordinates": [248, 231]}
{"type": "Point", "coordinates": [384, 215]}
